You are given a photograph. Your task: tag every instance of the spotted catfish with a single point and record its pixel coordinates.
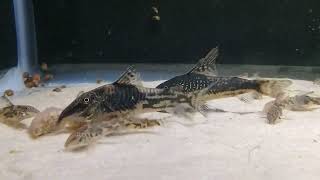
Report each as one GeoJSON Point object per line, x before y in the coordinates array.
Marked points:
{"type": "Point", "coordinates": [12, 115]}
{"type": "Point", "coordinates": [202, 75]}
{"type": "Point", "coordinates": [127, 96]}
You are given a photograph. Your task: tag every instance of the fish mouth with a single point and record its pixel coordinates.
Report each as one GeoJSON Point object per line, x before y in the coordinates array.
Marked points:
{"type": "Point", "coordinates": [72, 109]}
{"type": "Point", "coordinates": [63, 114]}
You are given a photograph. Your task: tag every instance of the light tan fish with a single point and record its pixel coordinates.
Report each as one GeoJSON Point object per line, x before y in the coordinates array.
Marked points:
{"type": "Point", "coordinates": [274, 109]}
{"type": "Point", "coordinates": [44, 122]}
{"type": "Point", "coordinates": [274, 113]}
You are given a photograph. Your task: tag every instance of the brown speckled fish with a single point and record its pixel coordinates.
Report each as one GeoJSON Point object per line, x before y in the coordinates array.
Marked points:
{"type": "Point", "coordinates": [92, 132]}
{"type": "Point", "coordinates": [12, 115]}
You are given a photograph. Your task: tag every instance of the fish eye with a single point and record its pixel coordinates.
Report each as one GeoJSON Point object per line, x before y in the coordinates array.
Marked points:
{"type": "Point", "coordinates": [86, 100]}
{"type": "Point", "coordinates": [166, 87]}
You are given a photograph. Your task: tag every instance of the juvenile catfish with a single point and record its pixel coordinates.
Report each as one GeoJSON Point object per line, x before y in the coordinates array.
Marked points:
{"type": "Point", "coordinates": [204, 74]}
{"type": "Point", "coordinates": [12, 115]}
{"type": "Point", "coordinates": [303, 102]}
{"type": "Point", "coordinates": [126, 96]}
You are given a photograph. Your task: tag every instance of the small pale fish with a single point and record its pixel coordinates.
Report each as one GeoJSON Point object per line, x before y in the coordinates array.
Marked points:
{"type": "Point", "coordinates": [202, 75]}
{"type": "Point", "coordinates": [304, 102]}
{"type": "Point", "coordinates": [274, 113]}
{"type": "Point", "coordinates": [274, 109]}
{"type": "Point", "coordinates": [92, 132]}
{"type": "Point", "coordinates": [12, 115]}
{"type": "Point", "coordinates": [44, 122]}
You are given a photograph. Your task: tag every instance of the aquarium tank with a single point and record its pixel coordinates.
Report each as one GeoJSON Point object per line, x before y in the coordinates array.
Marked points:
{"type": "Point", "coordinates": [150, 89]}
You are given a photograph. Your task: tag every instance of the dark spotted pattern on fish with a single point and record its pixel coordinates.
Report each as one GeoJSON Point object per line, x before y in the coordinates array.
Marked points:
{"type": "Point", "coordinates": [202, 75]}
{"type": "Point", "coordinates": [195, 82]}
{"type": "Point", "coordinates": [122, 98]}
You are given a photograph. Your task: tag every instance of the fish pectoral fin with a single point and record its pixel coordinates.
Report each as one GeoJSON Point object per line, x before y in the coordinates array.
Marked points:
{"type": "Point", "coordinates": [14, 123]}
{"type": "Point", "coordinates": [249, 97]}
{"type": "Point", "coordinates": [137, 123]}
{"type": "Point", "coordinates": [207, 65]}
{"type": "Point", "coordinates": [130, 76]}
{"type": "Point", "coordinates": [182, 110]}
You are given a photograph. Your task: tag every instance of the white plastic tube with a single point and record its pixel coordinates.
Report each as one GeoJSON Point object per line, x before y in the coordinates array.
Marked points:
{"type": "Point", "coordinates": [26, 46]}
{"type": "Point", "coordinates": [26, 35]}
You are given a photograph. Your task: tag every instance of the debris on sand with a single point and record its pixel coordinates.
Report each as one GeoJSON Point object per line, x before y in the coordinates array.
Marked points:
{"type": "Point", "coordinates": [31, 81]}
{"type": "Point", "coordinates": [58, 89]}
{"type": "Point", "coordinates": [8, 92]}
{"type": "Point", "coordinates": [63, 86]}
{"type": "Point", "coordinates": [36, 80]}
{"type": "Point", "coordinates": [47, 77]}
{"type": "Point", "coordinates": [25, 76]}
{"type": "Point", "coordinates": [36, 77]}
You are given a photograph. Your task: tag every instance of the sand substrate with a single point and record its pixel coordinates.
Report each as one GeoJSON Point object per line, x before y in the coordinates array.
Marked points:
{"type": "Point", "coordinates": [223, 146]}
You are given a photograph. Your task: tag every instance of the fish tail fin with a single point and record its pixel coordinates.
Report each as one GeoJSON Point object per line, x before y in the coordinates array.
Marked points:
{"type": "Point", "coordinates": [273, 87]}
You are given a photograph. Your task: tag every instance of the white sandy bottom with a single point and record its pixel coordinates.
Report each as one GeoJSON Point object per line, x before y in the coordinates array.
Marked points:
{"type": "Point", "coordinates": [223, 146]}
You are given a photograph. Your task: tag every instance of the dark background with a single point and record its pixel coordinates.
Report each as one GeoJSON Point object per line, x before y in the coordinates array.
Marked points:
{"type": "Point", "coordinates": [8, 53]}
{"type": "Point", "coordinates": [285, 32]}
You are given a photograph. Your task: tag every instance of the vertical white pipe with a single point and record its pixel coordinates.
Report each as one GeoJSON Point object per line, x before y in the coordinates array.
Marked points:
{"type": "Point", "coordinates": [26, 46]}
{"type": "Point", "coordinates": [26, 36]}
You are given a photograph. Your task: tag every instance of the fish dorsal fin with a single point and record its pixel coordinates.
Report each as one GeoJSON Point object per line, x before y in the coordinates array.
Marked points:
{"type": "Point", "coordinates": [130, 76]}
{"type": "Point", "coordinates": [7, 100]}
{"type": "Point", "coordinates": [207, 65]}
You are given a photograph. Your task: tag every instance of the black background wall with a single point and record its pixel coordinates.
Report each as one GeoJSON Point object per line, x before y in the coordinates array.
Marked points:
{"type": "Point", "coordinates": [247, 32]}
{"type": "Point", "coordinates": [8, 53]}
